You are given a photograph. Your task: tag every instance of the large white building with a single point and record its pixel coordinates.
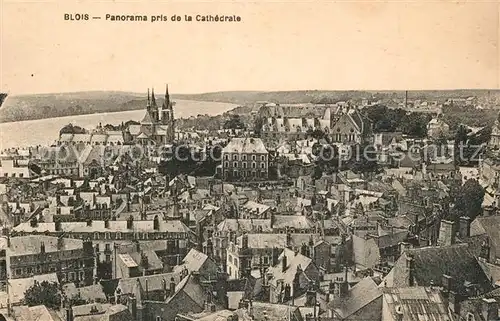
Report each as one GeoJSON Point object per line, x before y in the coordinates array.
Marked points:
{"type": "Point", "coordinates": [245, 158]}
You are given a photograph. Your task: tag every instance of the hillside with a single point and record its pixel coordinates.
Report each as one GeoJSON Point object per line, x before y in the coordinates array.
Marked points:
{"type": "Point", "coordinates": [308, 96]}
{"type": "Point", "coordinates": [28, 107]}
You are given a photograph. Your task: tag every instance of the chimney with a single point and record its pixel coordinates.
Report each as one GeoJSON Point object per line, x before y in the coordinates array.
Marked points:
{"type": "Point", "coordinates": [446, 233]}
{"type": "Point", "coordinates": [60, 244]}
{"type": "Point", "coordinates": [69, 313]}
{"type": "Point", "coordinates": [156, 223]}
{"type": "Point", "coordinates": [310, 295]}
{"type": "Point", "coordinates": [130, 222]}
{"type": "Point", "coordinates": [464, 227]}
{"type": "Point", "coordinates": [275, 256]}
{"type": "Point", "coordinates": [132, 306]}
{"type": "Point", "coordinates": [410, 267]}
{"type": "Point", "coordinates": [283, 263]}
{"type": "Point", "coordinates": [172, 286]}
{"type": "Point", "coordinates": [447, 283]}
{"type": "Point", "coordinates": [403, 246]}
{"type": "Point", "coordinates": [244, 241]}
{"type": "Point", "coordinates": [489, 309]}
{"type": "Point", "coordinates": [57, 225]}
{"type": "Point", "coordinates": [454, 302]}
{"type": "Point", "coordinates": [42, 248]}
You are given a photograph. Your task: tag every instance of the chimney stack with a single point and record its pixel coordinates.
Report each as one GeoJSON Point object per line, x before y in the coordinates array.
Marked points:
{"type": "Point", "coordinates": [156, 223]}
{"type": "Point", "coordinates": [69, 313]}
{"type": "Point", "coordinates": [464, 227]}
{"type": "Point", "coordinates": [490, 309]}
{"type": "Point", "coordinates": [284, 263]}
{"type": "Point", "coordinates": [446, 233]}
{"type": "Point", "coordinates": [172, 286]}
{"type": "Point", "coordinates": [60, 244]}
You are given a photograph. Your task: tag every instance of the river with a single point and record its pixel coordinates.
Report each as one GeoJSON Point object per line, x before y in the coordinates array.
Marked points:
{"type": "Point", "coordinates": [46, 131]}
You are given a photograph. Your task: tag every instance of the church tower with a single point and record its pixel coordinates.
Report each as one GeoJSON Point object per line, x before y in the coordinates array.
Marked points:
{"type": "Point", "coordinates": [154, 107]}
{"type": "Point", "coordinates": [167, 116]}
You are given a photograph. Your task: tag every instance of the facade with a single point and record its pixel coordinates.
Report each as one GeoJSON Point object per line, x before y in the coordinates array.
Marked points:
{"type": "Point", "coordinates": [342, 122]}
{"type": "Point", "coordinates": [246, 159]}
{"type": "Point", "coordinates": [11, 167]}
{"type": "Point", "coordinates": [72, 260]}
{"type": "Point", "coordinates": [494, 142]}
{"type": "Point", "coordinates": [158, 124]}
{"type": "Point", "coordinates": [107, 235]}
{"type": "Point", "coordinates": [253, 251]}
{"type": "Point", "coordinates": [437, 128]}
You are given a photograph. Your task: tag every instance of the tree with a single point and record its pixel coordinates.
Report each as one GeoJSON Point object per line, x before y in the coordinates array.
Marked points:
{"type": "Point", "coordinates": [44, 293]}
{"type": "Point", "coordinates": [234, 122]}
{"type": "Point", "coordinates": [469, 200]}
{"type": "Point", "coordinates": [257, 126]}
{"type": "Point", "coordinates": [364, 161]}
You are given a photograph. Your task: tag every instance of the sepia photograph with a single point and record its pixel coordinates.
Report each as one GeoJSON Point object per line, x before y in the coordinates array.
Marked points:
{"type": "Point", "coordinates": [249, 161]}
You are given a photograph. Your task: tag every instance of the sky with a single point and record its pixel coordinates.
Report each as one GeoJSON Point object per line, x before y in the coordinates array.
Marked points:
{"type": "Point", "coordinates": [342, 45]}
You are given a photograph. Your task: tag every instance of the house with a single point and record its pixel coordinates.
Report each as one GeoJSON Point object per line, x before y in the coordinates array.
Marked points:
{"type": "Point", "coordinates": [362, 302]}
{"type": "Point", "coordinates": [413, 304]}
{"type": "Point", "coordinates": [437, 128]}
{"type": "Point", "coordinates": [439, 266]}
{"type": "Point", "coordinates": [245, 158]}
{"type": "Point", "coordinates": [290, 278]}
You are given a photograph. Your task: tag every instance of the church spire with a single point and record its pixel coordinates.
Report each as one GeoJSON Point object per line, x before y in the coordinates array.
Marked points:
{"type": "Point", "coordinates": [149, 100]}
{"type": "Point", "coordinates": [153, 100]}
{"type": "Point", "coordinates": [167, 97]}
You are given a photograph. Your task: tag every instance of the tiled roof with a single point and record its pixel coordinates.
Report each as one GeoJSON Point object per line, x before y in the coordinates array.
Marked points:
{"type": "Point", "coordinates": [261, 241]}
{"type": "Point", "coordinates": [245, 225]}
{"type": "Point", "coordinates": [363, 293]}
{"type": "Point", "coordinates": [294, 260]}
{"type": "Point", "coordinates": [31, 244]}
{"type": "Point", "coordinates": [173, 226]}
{"type": "Point", "coordinates": [415, 303]}
{"type": "Point", "coordinates": [245, 145]}
{"type": "Point", "coordinates": [430, 263]}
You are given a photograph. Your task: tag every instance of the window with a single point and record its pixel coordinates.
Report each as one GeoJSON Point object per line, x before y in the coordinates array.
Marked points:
{"type": "Point", "coordinates": [244, 157]}
{"type": "Point", "coordinates": [96, 236]}
{"type": "Point", "coordinates": [470, 317]}
{"type": "Point", "coordinates": [262, 165]}
{"type": "Point", "coordinates": [254, 165]}
{"type": "Point", "coordinates": [254, 157]}
{"type": "Point", "coordinates": [244, 165]}
{"type": "Point", "coordinates": [263, 158]}
{"type": "Point", "coordinates": [235, 157]}
{"type": "Point", "coordinates": [80, 275]}
{"type": "Point", "coordinates": [21, 175]}
{"type": "Point", "coordinates": [158, 318]}
{"type": "Point", "coordinates": [108, 258]}
{"type": "Point", "coordinates": [226, 157]}
{"type": "Point", "coordinates": [235, 164]}
{"type": "Point", "coordinates": [118, 235]}
{"type": "Point", "coordinates": [107, 247]}
{"type": "Point", "coordinates": [226, 164]}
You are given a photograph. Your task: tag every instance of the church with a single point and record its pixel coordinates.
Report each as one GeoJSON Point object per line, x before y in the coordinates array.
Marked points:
{"type": "Point", "coordinates": [158, 124]}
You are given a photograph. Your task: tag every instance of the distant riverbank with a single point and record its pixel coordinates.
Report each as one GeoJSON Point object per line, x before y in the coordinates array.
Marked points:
{"type": "Point", "coordinates": [44, 106]}
{"type": "Point", "coordinates": [46, 131]}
